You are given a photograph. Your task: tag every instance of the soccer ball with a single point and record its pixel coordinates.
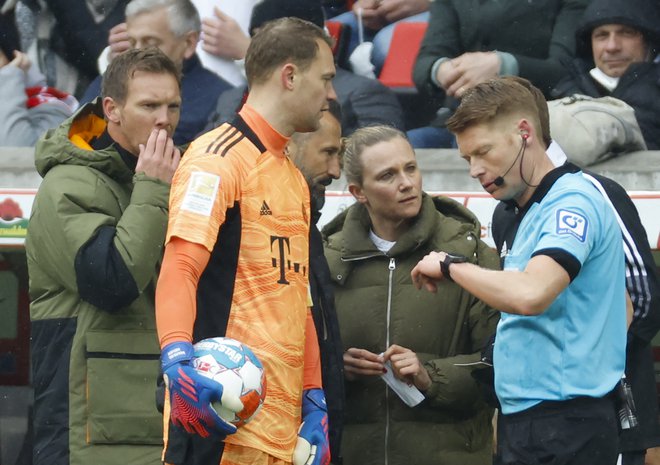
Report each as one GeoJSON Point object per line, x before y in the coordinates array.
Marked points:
{"type": "Point", "coordinates": [234, 365]}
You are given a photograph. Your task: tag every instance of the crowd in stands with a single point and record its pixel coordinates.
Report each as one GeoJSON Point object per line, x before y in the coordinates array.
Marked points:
{"type": "Point", "coordinates": [70, 43]}
{"type": "Point", "coordinates": [125, 99]}
{"type": "Point", "coordinates": [175, 29]}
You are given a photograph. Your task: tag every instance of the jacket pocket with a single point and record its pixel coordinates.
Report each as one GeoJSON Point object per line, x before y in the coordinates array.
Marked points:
{"type": "Point", "coordinates": [122, 369]}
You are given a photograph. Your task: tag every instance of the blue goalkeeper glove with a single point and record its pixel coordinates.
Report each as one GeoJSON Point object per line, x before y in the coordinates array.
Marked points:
{"type": "Point", "coordinates": [313, 447]}
{"type": "Point", "coordinates": [191, 394]}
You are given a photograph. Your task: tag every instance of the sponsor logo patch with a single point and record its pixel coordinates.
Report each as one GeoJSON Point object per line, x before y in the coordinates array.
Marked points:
{"type": "Point", "coordinates": [201, 192]}
{"type": "Point", "coordinates": [575, 224]}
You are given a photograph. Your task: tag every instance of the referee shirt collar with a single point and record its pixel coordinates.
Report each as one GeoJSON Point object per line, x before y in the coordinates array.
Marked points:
{"type": "Point", "coordinates": [546, 184]}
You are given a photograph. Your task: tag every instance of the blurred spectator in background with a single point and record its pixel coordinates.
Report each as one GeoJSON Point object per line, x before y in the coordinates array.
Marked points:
{"type": "Point", "coordinates": [174, 27]}
{"type": "Point", "coordinates": [28, 107]}
{"type": "Point", "coordinates": [364, 101]}
{"type": "Point", "coordinates": [224, 38]}
{"type": "Point", "coordinates": [466, 44]}
{"type": "Point", "coordinates": [379, 18]}
{"type": "Point", "coordinates": [64, 37]}
{"type": "Point", "coordinates": [616, 44]}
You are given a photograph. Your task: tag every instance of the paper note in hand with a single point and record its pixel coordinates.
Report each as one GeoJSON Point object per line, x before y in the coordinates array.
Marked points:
{"type": "Point", "coordinates": [407, 392]}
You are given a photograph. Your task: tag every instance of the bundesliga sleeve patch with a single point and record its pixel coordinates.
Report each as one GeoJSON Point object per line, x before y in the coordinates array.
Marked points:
{"type": "Point", "coordinates": [201, 192]}
{"type": "Point", "coordinates": [575, 224]}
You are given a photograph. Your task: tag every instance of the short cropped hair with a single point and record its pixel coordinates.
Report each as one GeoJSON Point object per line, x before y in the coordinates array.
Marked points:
{"type": "Point", "coordinates": [123, 67]}
{"type": "Point", "coordinates": [491, 100]}
{"type": "Point", "coordinates": [278, 42]}
{"type": "Point", "coordinates": [541, 106]}
{"type": "Point", "coordinates": [182, 15]}
{"type": "Point", "coordinates": [358, 141]}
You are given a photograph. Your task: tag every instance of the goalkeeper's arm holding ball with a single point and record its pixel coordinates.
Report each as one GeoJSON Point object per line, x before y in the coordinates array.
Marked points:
{"type": "Point", "coordinates": [190, 394]}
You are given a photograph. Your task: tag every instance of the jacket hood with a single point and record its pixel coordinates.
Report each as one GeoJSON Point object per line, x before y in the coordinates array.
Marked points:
{"type": "Point", "coordinates": [348, 233]}
{"type": "Point", "coordinates": [643, 15]}
{"type": "Point", "coordinates": [68, 144]}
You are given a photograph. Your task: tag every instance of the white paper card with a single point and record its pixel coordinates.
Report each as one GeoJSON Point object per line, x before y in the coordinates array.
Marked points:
{"type": "Point", "coordinates": [408, 393]}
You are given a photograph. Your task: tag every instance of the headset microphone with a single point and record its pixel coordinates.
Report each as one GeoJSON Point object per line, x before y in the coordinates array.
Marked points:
{"type": "Point", "coordinates": [499, 181]}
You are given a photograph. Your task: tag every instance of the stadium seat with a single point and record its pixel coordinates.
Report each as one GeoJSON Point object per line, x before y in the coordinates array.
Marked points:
{"type": "Point", "coordinates": [398, 66]}
{"type": "Point", "coordinates": [341, 34]}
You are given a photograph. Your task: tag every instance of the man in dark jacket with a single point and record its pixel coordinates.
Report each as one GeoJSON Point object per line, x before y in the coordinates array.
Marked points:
{"type": "Point", "coordinates": [468, 42]}
{"type": "Point", "coordinates": [617, 42]}
{"type": "Point", "coordinates": [93, 246]}
{"type": "Point", "coordinates": [174, 27]}
{"type": "Point", "coordinates": [364, 101]}
{"type": "Point", "coordinates": [318, 156]}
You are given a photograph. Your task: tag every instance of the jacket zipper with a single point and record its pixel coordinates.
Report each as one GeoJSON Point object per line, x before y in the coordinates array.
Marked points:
{"type": "Point", "coordinates": [391, 267]}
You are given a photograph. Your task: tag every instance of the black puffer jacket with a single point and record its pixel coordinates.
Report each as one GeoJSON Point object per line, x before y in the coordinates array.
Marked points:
{"type": "Point", "coordinates": [639, 86]}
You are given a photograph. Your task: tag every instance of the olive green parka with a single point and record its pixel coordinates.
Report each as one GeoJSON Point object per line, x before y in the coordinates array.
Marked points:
{"type": "Point", "coordinates": [94, 370]}
{"type": "Point", "coordinates": [378, 306]}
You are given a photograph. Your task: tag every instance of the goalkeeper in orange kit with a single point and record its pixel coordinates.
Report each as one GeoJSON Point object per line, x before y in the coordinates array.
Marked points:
{"type": "Point", "coordinates": [237, 262]}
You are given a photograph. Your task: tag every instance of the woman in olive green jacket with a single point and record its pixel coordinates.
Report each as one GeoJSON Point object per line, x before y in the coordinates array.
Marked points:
{"type": "Point", "coordinates": [387, 324]}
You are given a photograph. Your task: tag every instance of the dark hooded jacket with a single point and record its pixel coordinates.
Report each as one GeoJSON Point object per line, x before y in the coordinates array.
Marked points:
{"type": "Point", "coordinates": [537, 34]}
{"type": "Point", "coordinates": [639, 86]}
{"type": "Point", "coordinates": [378, 305]}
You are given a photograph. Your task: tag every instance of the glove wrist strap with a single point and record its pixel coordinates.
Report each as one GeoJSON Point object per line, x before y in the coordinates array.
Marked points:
{"type": "Point", "coordinates": [313, 399]}
{"type": "Point", "coordinates": [176, 352]}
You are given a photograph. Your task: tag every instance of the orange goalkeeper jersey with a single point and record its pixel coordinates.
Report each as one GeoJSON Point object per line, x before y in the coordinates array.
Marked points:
{"type": "Point", "coordinates": [238, 195]}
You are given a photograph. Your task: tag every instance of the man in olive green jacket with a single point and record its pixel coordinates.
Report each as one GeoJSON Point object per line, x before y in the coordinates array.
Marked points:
{"type": "Point", "coordinates": [94, 242]}
{"type": "Point", "coordinates": [378, 305]}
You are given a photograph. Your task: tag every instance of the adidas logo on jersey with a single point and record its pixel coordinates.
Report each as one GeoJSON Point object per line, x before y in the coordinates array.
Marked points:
{"type": "Point", "coordinates": [265, 209]}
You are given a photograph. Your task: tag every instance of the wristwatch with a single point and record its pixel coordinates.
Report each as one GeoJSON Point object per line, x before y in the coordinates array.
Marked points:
{"type": "Point", "coordinates": [448, 260]}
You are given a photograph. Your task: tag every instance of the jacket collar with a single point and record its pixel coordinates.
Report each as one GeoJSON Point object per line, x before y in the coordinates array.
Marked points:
{"type": "Point", "coordinates": [68, 144]}
{"type": "Point", "coordinates": [441, 221]}
{"type": "Point", "coordinates": [357, 244]}
{"type": "Point", "coordinates": [105, 141]}
{"type": "Point", "coordinates": [190, 64]}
